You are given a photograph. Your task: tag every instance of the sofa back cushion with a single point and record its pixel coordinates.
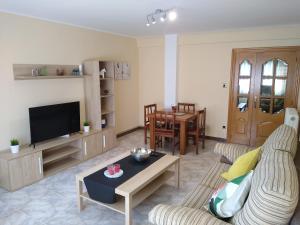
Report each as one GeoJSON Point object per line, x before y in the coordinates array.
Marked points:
{"type": "Point", "coordinates": [284, 138]}
{"type": "Point", "coordinates": [274, 191]}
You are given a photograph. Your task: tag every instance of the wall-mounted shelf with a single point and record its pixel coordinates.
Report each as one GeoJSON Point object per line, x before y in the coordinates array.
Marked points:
{"type": "Point", "coordinates": [29, 77]}
{"type": "Point", "coordinates": [106, 96]}
{"type": "Point", "coordinates": [25, 71]}
{"type": "Point", "coordinates": [104, 112]}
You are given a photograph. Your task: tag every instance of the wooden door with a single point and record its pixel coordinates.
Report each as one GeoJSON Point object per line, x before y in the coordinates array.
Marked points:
{"type": "Point", "coordinates": [264, 81]}
{"type": "Point", "coordinates": [241, 104]}
{"type": "Point", "coordinates": [92, 146]}
{"type": "Point", "coordinates": [273, 92]}
{"type": "Point", "coordinates": [25, 170]}
{"type": "Point", "coordinates": [108, 138]}
{"type": "Point", "coordinates": [32, 166]}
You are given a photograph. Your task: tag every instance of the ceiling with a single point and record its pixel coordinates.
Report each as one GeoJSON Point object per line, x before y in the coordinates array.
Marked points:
{"type": "Point", "coordinates": [128, 17]}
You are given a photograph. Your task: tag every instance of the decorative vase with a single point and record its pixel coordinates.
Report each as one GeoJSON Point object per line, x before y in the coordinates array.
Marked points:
{"type": "Point", "coordinates": [14, 149]}
{"type": "Point", "coordinates": [86, 129]}
{"type": "Point", "coordinates": [103, 123]}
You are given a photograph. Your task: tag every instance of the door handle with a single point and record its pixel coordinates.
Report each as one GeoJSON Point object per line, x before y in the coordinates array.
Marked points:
{"type": "Point", "coordinates": [85, 153]}
{"type": "Point", "coordinates": [40, 165]}
{"type": "Point", "coordinates": [255, 101]}
{"type": "Point", "coordinates": [104, 141]}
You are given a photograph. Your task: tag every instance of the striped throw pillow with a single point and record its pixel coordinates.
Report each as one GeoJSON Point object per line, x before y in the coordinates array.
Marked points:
{"type": "Point", "coordinates": [230, 197]}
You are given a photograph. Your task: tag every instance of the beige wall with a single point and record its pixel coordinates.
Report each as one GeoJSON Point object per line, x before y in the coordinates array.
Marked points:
{"type": "Point", "coordinates": [204, 61]}
{"type": "Point", "coordinates": [26, 40]}
{"type": "Point", "coordinates": [151, 72]}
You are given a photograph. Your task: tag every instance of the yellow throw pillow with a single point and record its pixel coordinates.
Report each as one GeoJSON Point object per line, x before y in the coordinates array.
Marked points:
{"type": "Point", "coordinates": [242, 165]}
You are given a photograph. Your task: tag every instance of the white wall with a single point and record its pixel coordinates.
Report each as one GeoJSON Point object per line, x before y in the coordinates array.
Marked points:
{"type": "Point", "coordinates": [170, 70]}
{"type": "Point", "coordinates": [26, 40]}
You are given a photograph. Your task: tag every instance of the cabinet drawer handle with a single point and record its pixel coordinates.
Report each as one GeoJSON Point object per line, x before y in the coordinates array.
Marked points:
{"type": "Point", "coordinates": [40, 165]}
{"type": "Point", "coordinates": [85, 148]}
{"type": "Point", "coordinates": [104, 141]}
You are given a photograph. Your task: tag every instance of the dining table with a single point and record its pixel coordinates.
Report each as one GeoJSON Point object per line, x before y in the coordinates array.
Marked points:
{"type": "Point", "coordinates": [181, 118]}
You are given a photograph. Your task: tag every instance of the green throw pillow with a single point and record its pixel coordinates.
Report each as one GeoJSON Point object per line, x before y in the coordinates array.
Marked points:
{"type": "Point", "coordinates": [229, 198]}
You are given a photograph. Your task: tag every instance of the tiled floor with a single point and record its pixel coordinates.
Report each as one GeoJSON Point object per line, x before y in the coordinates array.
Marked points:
{"type": "Point", "coordinates": [52, 201]}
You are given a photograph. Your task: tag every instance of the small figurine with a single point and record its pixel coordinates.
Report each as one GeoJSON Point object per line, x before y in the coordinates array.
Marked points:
{"type": "Point", "coordinates": [102, 73]}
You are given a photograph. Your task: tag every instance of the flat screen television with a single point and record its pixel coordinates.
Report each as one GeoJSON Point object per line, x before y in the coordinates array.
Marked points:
{"type": "Point", "coordinates": [53, 121]}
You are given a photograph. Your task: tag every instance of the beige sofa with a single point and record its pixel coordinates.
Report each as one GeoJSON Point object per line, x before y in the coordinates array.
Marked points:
{"type": "Point", "coordinates": [274, 190]}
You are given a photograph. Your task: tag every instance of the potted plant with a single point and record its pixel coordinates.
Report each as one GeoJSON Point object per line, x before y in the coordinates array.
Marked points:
{"type": "Point", "coordinates": [86, 127]}
{"type": "Point", "coordinates": [14, 146]}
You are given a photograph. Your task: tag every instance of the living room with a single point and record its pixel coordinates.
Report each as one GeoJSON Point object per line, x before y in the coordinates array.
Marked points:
{"type": "Point", "coordinates": [174, 52]}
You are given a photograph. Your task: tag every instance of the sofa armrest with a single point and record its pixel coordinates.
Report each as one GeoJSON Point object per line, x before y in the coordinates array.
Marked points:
{"type": "Point", "coordinates": [231, 151]}
{"type": "Point", "coordinates": [179, 215]}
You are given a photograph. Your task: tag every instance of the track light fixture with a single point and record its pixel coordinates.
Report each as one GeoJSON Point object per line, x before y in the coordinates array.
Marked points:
{"type": "Point", "coordinates": [162, 15]}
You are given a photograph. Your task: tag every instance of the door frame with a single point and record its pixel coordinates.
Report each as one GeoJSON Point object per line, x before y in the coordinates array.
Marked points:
{"type": "Point", "coordinates": [235, 51]}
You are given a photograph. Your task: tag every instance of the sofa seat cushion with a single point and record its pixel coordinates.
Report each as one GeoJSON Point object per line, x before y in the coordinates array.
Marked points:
{"type": "Point", "coordinates": [274, 192]}
{"type": "Point", "coordinates": [179, 215]}
{"type": "Point", "coordinates": [213, 178]}
{"type": "Point", "coordinates": [203, 191]}
{"type": "Point", "coordinates": [198, 197]}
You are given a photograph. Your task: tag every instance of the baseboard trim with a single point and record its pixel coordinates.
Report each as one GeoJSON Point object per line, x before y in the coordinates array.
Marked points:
{"type": "Point", "coordinates": [128, 131]}
{"type": "Point", "coordinates": [140, 127]}
{"type": "Point", "coordinates": [216, 139]}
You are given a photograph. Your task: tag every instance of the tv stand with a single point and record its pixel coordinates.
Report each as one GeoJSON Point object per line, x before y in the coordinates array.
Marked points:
{"type": "Point", "coordinates": [34, 162]}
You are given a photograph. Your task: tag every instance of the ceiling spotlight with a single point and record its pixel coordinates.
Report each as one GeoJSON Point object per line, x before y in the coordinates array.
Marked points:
{"type": "Point", "coordinates": [153, 21]}
{"type": "Point", "coordinates": [163, 17]}
{"type": "Point", "coordinates": [148, 23]}
{"type": "Point", "coordinates": [172, 15]}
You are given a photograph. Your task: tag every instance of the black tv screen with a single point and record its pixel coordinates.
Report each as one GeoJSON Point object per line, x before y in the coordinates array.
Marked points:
{"type": "Point", "coordinates": [52, 121]}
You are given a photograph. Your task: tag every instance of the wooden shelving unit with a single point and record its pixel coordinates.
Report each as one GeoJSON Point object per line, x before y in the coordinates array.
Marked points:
{"type": "Point", "coordinates": [60, 165]}
{"type": "Point", "coordinates": [100, 93]}
{"type": "Point", "coordinates": [60, 153]}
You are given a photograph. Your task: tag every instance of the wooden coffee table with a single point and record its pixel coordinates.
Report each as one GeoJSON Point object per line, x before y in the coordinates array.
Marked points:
{"type": "Point", "coordinates": [136, 189]}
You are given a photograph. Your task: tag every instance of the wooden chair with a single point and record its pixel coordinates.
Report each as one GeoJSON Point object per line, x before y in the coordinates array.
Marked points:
{"type": "Point", "coordinates": [165, 127]}
{"type": "Point", "coordinates": [186, 107]}
{"type": "Point", "coordinates": [193, 132]}
{"type": "Point", "coordinates": [148, 109]}
{"type": "Point", "coordinates": [198, 130]}
{"type": "Point", "coordinates": [202, 122]}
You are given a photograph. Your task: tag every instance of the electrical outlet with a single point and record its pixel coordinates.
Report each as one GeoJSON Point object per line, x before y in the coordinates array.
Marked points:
{"type": "Point", "coordinates": [224, 127]}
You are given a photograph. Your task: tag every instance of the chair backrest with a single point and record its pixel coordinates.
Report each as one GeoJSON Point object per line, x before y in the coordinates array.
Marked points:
{"type": "Point", "coordinates": [186, 107]}
{"type": "Point", "coordinates": [202, 118]}
{"type": "Point", "coordinates": [149, 109]}
{"type": "Point", "coordinates": [164, 122]}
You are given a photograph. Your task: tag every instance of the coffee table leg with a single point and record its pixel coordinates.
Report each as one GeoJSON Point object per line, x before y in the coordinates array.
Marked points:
{"type": "Point", "coordinates": [177, 174]}
{"type": "Point", "coordinates": [79, 192]}
{"type": "Point", "coordinates": [128, 210]}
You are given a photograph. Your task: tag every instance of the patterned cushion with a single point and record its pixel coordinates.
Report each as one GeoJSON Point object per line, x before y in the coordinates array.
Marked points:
{"type": "Point", "coordinates": [178, 215]}
{"type": "Point", "coordinates": [274, 193]}
{"type": "Point", "coordinates": [228, 199]}
{"type": "Point", "coordinates": [284, 138]}
{"type": "Point", "coordinates": [231, 151]}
